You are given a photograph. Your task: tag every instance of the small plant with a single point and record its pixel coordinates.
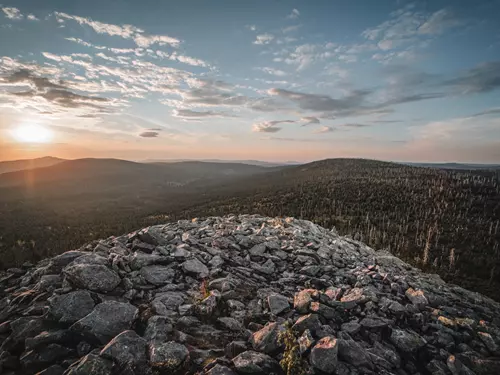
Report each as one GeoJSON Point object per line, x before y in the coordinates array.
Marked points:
{"type": "Point", "coordinates": [292, 362]}
{"type": "Point", "coordinates": [204, 291]}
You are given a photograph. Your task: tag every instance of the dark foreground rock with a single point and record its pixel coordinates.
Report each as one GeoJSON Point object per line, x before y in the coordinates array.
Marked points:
{"type": "Point", "coordinates": [240, 295]}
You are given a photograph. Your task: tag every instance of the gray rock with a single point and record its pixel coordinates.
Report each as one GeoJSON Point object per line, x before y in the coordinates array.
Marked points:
{"type": "Point", "coordinates": [251, 362]}
{"type": "Point", "coordinates": [230, 324]}
{"type": "Point", "coordinates": [157, 329]}
{"type": "Point", "coordinates": [351, 328]}
{"type": "Point", "coordinates": [352, 298]}
{"type": "Point", "coordinates": [94, 277]}
{"type": "Point", "coordinates": [305, 341]}
{"type": "Point", "coordinates": [277, 303]}
{"type": "Point", "coordinates": [374, 322]}
{"type": "Point", "coordinates": [91, 364]}
{"type": "Point", "coordinates": [196, 268]}
{"type": "Point", "coordinates": [407, 341]}
{"type": "Point", "coordinates": [324, 355]}
{"type": "Point", "coordinates": [167, 356]}
{"type": "Point", "coordinates": [68, 308]}
{"type": "Point", "coordinates": [220, 370]}
{"type": "Point", "coordinates": [158, 275]}
{"type": "Point", "coordinates": [303, 299]}
{"type": "Point", "coordinates": [107, 320]}
{"type": "Point", "coordinates": [352, 352]}
{"type": "Point", "coordinates": [267, 339]}
{"type": "Point", "coordinates": [417, 298]}
{"type": "Point", "coordinates": [52, 370]}
{"type": "Point", "coordinates": [126, 349]}
{"type": "Point", "coordinates": [325, 311]}
{"type": "Point", "coordinates": [310, 322]}
{"type": "Point", "coordinates": [36, 360]}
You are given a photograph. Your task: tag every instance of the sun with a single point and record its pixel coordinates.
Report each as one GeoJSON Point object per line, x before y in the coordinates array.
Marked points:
{"type": "Point", "coordinates": [32, 133]}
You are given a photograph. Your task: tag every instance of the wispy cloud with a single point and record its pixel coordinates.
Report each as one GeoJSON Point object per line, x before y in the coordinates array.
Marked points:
{"type": "Point", "coordinates": [270, 126]}
{"type": "Point", "coordinates": [294, 14]}
{"type": "Point", "coordinates": [263, 39]}
{"type": "Point", "coordinates": [187, 113]}
{"type": "Point", "coordinates": [324, 129]}
{"type": "Point", "coordinates": [272, 71]}
{"type": "Point", "coordinates": [123, 31]}
{"type": "Point", "coordinates": [149, 134]}
{"type": "Point", "coordinates": [12, 13]}
{"type": "Point", "coordinates": [310, 120]}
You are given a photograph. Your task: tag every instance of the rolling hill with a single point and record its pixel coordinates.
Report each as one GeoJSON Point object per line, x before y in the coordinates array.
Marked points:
{"type": "Point", "coordinates": [17, 165]}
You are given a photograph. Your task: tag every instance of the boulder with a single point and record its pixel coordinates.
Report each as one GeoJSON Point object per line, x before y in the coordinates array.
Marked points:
{"type": "Point", "coordinates": [277, 303]}
{"type": "Point", "coordinates": [107, 320]}
{"type": "Point", "coordinates": [324, 355]}
{"type": "Point", "coordinates": [406, 341]}
{"type": "Point", "coordinates": [267, 339]}
{"type": "Point", "coordinates": [94, 277]}
{"type": "Point", "coordinates": [70, 307]}
{"type": "Point", "coordinates": [158, 275]}
{"type": "Point", "coordinates": [167, 356]}
{"type": "Point", "coordinates": [251, 362]}
{"type": "Point", "coordinates": [195, 268]}
{"type": "Point", "coordinates": [126, 349]}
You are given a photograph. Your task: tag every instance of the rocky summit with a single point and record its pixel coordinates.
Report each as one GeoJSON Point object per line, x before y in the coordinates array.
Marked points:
{"type": "Point", "coordinates": [240, 295]}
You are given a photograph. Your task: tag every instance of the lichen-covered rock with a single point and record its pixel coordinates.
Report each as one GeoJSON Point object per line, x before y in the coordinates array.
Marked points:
{"type": "Point", "coordinates": [324, 355]}
{"type": "Point", "coordinates": [267, 340]}
{"type": "Point", "coordinates": [167, 356]}
{"type": "Point", "coordinates": [277, 303]}
{"type": "Point", "coordinates": [94, 277]}
{"type": "Point", "coordinates": [251, 362]}
{"type": "Point", "coordinates": [107, 320]}
{"type": "Point", "coordinates": [126, 349]}
{"type": "Point", "coordinates": [70, 307]}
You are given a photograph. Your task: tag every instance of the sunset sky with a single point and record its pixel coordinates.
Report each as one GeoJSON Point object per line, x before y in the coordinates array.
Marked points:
{"type": "Point", "coordinates": [268, 80]}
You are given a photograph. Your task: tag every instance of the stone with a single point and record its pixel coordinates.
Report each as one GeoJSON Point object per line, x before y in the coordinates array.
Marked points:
{"type": "Point", "coordinates": [352, 298]}
{"type": "Point", "coordinates": [71, 307]}
{"type": "Point", "coordinates": [157, 329]}
{"type": "Point", "coordinates": [352, 352]}
{"type": "Point", "coordinates": [417, 298]}
{"type": "Point", "coordinates": [374, 322]}
{"type": "Point", "coordinates": [36, 360]}
{"type": "Point", "coordinates": [325, 311]}
{"type": "Point", "coordinates": [310, 322]}
{"type": "Point", "coordinates": [167, 356]}
{"type": "Point", "coordinates": [351, 328]}
{"type": "Point", "coordinates": [251, 362]}
{"type": "Point", "coordinates": [196, 268]}
{"type": "Point", "coordinates": [267, 339]}
{"type": "Point", "coordinates": [94, 277]}
{"type": "Point", "coordinates": [220, 370]}
{"type": "Point", "coordinates": [107, 320]}
{"type": "Point", "coordinates": [277, 303]}
{"type": "Point", "coordinates": [305, 341]}
{"type": "Point", "coordinates": [234, 348]}
{"type": "Point", "coordinates": [21, 329]}
{"type": "Point", "coordinates": [230, 324]}
{"type": "Point", "coordinates": [52, 370]}
{"type": "Point", "coordinates": [406, 341]}
{"type": "Point", "coordinates": [91, 364]}
{"type": "Point", "coordinates": [302, 300]}
{"type": "Point", "coordinates": [126, 349]}
{"type": "Point", "coordinates": [324, 355]}
{"type": "Point", "coordinates": [158, 275]}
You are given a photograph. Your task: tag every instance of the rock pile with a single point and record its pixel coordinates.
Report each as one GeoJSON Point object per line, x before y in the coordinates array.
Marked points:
{"type": "Point", "coordinates": [240, 295]}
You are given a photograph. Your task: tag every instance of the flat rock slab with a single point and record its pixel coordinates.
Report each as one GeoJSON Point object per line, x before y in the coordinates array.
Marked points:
{"type": "Point", "coordinates": [71, 307]}
{"type": "Point", "coordinates": [94, 277]}
{"type": "Point", "coordinates": [107, 320]}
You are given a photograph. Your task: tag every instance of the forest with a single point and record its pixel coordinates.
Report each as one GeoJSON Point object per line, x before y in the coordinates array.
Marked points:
{"type": "Point", "coordinates": [443, 221]}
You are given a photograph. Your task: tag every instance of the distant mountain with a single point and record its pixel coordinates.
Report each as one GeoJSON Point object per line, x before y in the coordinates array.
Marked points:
{"type": "Point", "coordinates": [465, 166]}
{"type": "Point", "coordinates": [18, 165]}
{"type": "Point", "coordinates": [84, 176]}
{"type": "Point", "coordinates": [249, 162]}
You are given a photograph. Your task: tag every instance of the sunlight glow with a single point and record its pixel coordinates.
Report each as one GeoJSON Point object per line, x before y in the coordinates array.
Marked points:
{"type": "Point", "coordinates": [32, 133]}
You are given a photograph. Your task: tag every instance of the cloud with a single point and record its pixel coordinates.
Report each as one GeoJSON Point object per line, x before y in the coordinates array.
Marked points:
{"type": "Point", "coordinates": [188, 60]}
{"type": "Point", "coordinates": [269, 126]}
{"type": "Point", "coordinates": [492, 111]}
{"type": "Point", "coordinates": [251, 27]}
{"type": "Point", "coordinates": [290, 29]}
{"type": "Point", "coordinates": [149, 134]}
{"type": "Point", "coordinates": [483, 78]}
{"type": "Point", "coordinates": [205, 92]}
{"type": "Point", "coordinates": [32, 17]}
{"type": "Point", "coordinates": [310, 120]}
{"type": "Point", "coordinates": [323, 103]}
{"type": "Point", "coordinates": [263, 39]}
{"type": "Point", "coordinates": [354, 125]}
{"type": "Point", "coordinates": [274, 72]}
{"type": "Point", "coordinates": [294, 14]}
{"type": "Point", "coordinates": [187, 113]}
{"type": "Point", "coordinates": [439, 22]}
{"type": "Point", "coordinates": [410, 30]}
{"type": "Point", "coordinates": [12, 13]}
{"type": "Point", "coordinates": [123, 31]}
{"type": "Point", "coordinates": [324, 129]}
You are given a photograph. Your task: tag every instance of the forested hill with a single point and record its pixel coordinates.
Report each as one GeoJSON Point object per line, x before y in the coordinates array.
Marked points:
{"type": "Point", "coordinates": [445, 221]}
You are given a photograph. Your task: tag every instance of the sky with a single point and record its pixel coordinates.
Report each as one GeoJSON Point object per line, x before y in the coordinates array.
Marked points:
{"type": "Point", "coordinates": [268, 80]}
